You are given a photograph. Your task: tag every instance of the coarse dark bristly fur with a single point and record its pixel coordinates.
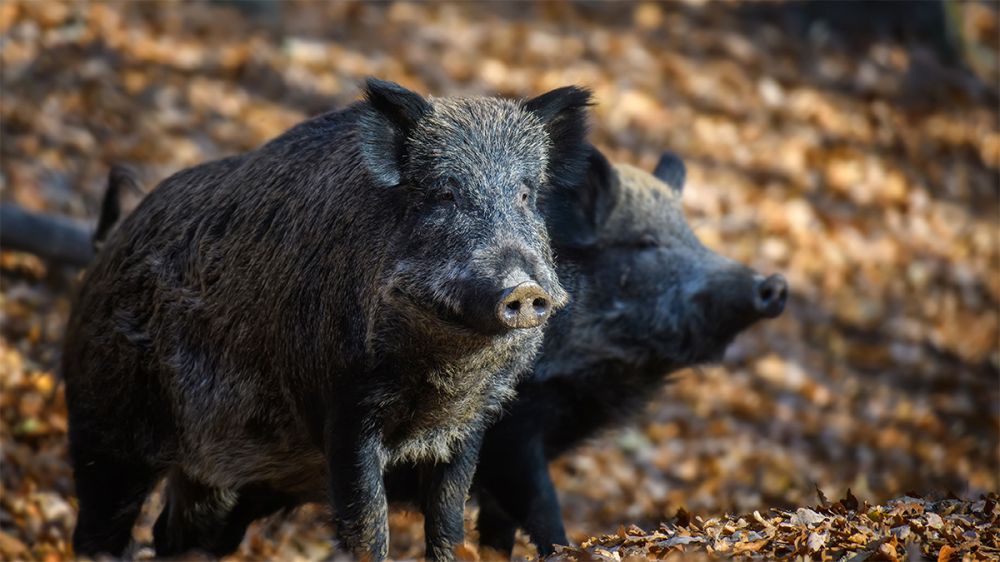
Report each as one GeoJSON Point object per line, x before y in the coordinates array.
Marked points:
{"type": "Point", "coordinates": [283, 325]}
{"type": "Point", "coordinates": [647, 299]}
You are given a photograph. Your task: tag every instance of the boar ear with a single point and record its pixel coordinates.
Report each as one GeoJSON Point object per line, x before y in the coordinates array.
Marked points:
{"type": "Point", "coordinates": [564, 113]}
{"type": "Point", "coordinates": [575, 215]}
{"type": "Point", "coordinates": [120, 178]}
{"type": "Point", "coordinates": [384, 125]}
{"type": "Point", "coordinates": [671, 171]}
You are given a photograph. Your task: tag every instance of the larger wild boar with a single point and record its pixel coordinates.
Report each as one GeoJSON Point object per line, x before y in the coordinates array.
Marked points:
{"type": "Point", "coordinates": [363, 290]}
{"type": "Point", "coordinates": [647, 299]}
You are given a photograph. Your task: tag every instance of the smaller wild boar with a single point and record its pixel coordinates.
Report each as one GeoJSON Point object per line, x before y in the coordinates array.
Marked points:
{"type": "Point", "coordinates": [284, 325]}
{"type": "Point", "coordinates": [648, 299]}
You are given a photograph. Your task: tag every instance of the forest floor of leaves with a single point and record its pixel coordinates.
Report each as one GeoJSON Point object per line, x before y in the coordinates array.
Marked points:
{"type": "Point", "coordinates": [863, 169]}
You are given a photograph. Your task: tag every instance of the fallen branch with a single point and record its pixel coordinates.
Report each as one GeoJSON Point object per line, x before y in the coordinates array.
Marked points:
{"type": "Point", "coordinates": [55, 239]}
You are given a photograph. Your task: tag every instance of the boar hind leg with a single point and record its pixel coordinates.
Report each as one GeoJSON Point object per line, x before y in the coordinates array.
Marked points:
{"type": "Point", "coordinates": [514, 470]}
{"type": "Point", "coordinates": [111, 493]}
{"type": "Point", "coordinates": [213, 520]}
{"type": "Point", "coordinates": [497, 531]}
{"type": "Point", "coordinates": [193, 516]}
{"type": "Point", "coordinates": [255, 502]}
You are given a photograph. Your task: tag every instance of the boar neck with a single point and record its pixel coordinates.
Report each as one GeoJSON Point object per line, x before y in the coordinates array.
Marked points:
{"type": "Point", "coordinates": [450, 389]}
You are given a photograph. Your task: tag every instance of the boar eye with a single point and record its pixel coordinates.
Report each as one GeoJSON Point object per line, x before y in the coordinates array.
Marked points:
{"type": "Point", "coordinates": [446, 195]}
{"type": "Point", "coordinates": [648, 241]}
{"type": "Point", "coordinates": [524, 194]}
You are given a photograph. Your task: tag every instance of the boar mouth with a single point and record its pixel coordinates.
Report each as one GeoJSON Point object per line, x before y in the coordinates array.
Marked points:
{"type": "Point", "coordinates": [438, 315]}
{"type": "Point", "coordinates": [712, 353]}
{"type": "Point", "coordinates": [428, 308]}
{"type": "Point", "coordinates": [705, 342]}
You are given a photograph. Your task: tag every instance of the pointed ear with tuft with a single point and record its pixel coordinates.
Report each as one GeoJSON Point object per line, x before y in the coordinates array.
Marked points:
{"type": "Point", "coordinates": [671, 171]}
{"type": "Point", "coordinates": [391, 113]}
{"type": "Point", "coordinates": [575, 215]}
{"type": "Point", "coordinates": [564, 113]}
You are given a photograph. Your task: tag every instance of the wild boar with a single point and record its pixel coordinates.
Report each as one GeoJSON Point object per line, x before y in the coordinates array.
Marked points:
{"type": "Point", "coordinates": [282, 326]}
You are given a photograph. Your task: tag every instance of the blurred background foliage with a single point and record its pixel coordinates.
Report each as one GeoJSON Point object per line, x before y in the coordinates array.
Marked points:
{"type": "Point", "coordinates": [853, 147]}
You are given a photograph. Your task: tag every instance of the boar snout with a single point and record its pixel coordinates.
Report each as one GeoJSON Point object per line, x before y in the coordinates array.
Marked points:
{"type": "Point", "coordinates": [525, 305]}
{"type": "Point", "coordinates": [518, 302]}
{"type": "Point", "coordinates": [737, 296]}
{"type": "Point", "coordinates": [770, 295]}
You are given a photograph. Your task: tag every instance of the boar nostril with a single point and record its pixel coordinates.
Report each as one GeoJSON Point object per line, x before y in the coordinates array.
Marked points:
{"type": "Point", "coordinates": [770, 295]}
{"type": "Point", "coordinates": [526, 305]}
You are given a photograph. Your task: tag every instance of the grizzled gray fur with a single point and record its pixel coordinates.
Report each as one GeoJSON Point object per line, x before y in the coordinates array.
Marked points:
{"type": "Point", "coordinates": [364, 290]}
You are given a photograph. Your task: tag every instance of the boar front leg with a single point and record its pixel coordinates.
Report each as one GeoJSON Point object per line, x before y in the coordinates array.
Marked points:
{"type": "Point", "coordinates": [515, 473]}
{"type": "Point", "coordinates": [497, 531]}
{"type": "Point", "coordinates": [444, 497]}
{"type": "Point", "coordinates": [357, 490]}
